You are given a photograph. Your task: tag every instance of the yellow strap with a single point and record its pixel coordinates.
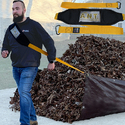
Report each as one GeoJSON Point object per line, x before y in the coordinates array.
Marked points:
{"type": "Point", "coordinates": [71, 5]}
{"type": "Point", "coordinates": [91, 29]}
{"type": "Point", "coordinates": [123, 16]}
{"type": "Point", "coordinates": [57, 59]}
{"type": "Point", "coordinates": [56, 16]}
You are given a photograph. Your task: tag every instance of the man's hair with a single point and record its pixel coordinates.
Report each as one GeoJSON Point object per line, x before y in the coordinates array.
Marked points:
{"type": "Point", "coordinates": [19, 1]}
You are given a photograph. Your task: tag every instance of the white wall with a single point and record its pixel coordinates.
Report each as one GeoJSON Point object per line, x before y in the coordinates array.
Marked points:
{"type": "Point", "coordinates": [44, 12]}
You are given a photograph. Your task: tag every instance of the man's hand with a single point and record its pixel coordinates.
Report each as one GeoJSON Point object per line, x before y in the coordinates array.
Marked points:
{"type": "Point", "coordinates": [51, 66]}
{"type": "Point", "coordinates": [4, 53]}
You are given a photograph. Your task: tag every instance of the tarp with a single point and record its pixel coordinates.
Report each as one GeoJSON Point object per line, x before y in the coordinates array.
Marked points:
{"type": "Point", "coordinates": [102, 96]}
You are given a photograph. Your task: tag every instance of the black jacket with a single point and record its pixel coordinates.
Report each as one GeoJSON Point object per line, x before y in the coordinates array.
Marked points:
{"type": "Point", "coordinates": [23, 56]}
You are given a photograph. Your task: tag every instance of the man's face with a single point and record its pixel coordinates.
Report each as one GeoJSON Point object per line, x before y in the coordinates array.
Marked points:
{"type": "Point", "coordinates": [18, 12]}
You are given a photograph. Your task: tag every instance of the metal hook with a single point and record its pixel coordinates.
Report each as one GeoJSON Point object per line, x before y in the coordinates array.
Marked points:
{"type": "Point", "coordinates": [119, 5]}
{"type": "Point", "coordinates": [56, 29]}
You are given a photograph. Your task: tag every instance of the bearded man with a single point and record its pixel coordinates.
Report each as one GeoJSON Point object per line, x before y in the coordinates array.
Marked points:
{"type": "Point", "coordinates": [25, 61]}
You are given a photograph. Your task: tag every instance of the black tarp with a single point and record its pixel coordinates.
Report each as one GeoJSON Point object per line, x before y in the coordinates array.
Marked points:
{"type": "Point", "coordinates": [102, 96]}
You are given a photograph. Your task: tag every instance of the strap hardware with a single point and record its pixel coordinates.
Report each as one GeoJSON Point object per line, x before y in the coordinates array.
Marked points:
{"type": "Point", "coordinates": [76, 30]}
{"type": "Point", "coordinates": [56, 29]}
{"type": "Point", "coordinates": [119, 3]}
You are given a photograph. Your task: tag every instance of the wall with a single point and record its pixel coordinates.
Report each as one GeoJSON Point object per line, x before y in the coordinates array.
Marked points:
{"type": "Point", "coordinates": [44, 12]}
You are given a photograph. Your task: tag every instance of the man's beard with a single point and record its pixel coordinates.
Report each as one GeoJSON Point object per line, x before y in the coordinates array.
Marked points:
{"type": "Point", "coordinates": [18, 19]}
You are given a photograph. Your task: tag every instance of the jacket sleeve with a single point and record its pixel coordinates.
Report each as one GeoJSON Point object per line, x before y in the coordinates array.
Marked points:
{"type": "Point", "coordinates": [47, 41]}
{"type": "Point", "coordinates": [5, 45]}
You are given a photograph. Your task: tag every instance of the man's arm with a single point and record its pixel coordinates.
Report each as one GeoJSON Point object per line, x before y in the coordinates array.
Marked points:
{"type": "Point", "coordinates": [48, 42]}
{"type": "Point", "coordinates": [5, 46]}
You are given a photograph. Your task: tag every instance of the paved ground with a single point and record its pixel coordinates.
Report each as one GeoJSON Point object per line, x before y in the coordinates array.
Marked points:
{"type": "Point", "coordinates": [9, 117]}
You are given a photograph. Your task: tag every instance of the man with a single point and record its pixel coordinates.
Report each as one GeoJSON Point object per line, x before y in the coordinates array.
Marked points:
{"type": "Point", "coordinates": [25, 61]}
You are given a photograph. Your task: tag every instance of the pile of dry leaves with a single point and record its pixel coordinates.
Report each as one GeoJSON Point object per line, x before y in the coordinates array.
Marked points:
{"type": "Point", "coordinates": [58, 94]}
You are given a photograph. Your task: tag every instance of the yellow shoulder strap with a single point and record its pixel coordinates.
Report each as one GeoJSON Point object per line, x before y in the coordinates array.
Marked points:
{"type": "Point", "coordinates": [92, 29]}
{"type": "Point", "coordinates": [57, 59]}
{"type": "Point", "coordinates": [71, 5]}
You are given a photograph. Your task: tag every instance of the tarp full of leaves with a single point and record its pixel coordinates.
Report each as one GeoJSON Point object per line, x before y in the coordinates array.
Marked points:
{"type": "Point", "coordinates": [67, 95]}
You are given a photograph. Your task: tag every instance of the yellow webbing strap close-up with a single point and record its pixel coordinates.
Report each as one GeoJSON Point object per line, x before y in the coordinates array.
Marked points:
{"type": "Point", "coordinates": [56, 16]}
{"type": "Point", "coordinates": [71, 5]}
{"type": "Point", "coordinates": [57, 59]}
{"type": "Point", "coordinates": [92, 29]}
{"type": "Point", "coordinates": [123, 16]}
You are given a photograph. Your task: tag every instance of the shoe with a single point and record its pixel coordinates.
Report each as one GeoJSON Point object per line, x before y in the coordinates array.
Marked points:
{"type": "Point", "coordinates": [33, 122]}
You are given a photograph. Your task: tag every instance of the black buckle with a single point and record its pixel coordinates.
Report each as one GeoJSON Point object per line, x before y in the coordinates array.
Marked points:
{"type": "Point", "coordinates": [56, 29]}
{"type": "Point", "coordinates": [119, 5]}
{"type": "Point", "coordinates": [76, 29]}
